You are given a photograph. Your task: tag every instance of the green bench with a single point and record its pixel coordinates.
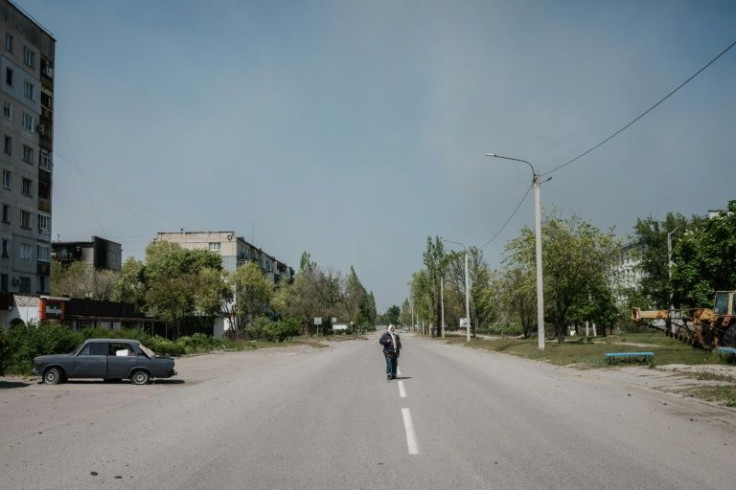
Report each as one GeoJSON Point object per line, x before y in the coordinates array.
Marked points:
{"type": "Point", "coordinates": [728, 352]}
{"type": "Point", "coordinates": [642, 356]}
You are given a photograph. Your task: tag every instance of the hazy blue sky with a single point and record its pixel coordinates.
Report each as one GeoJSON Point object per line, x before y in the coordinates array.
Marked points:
{"type": "Point", "coordinates": [355, 129]}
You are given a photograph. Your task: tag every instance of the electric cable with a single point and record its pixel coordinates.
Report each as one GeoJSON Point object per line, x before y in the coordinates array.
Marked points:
{"type": "Point", "coordinates": [642, 114]}
{"type": "Point", "coordinates": [509, 218]}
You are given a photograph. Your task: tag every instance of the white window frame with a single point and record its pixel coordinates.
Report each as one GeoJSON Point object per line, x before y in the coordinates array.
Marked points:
{"type": "Point", "coordinates": [27, 122]}
{"type": "Point", "coordinates": [29, 90]}
{"type": "Point", "coordinates": [215, 246]}
{"type": "Point", "coordinates": [26, 251]}
{"type": "Point", "coordinates": [44, 159]}
{"type": "Point", "coordinates": [44, 222]}
{"type": "Point", "coordinates": [27, 154]}
{"type": "Point", "coordinates": [29, 57]}
{"type": "Point", "coordinates": [7, 178]}
{"type": "Point", "coordinates": [44, 253]}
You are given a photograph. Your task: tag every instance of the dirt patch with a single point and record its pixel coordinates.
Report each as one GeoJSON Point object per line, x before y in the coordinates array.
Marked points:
{"type": "Point", "coordinates": [711, 383]}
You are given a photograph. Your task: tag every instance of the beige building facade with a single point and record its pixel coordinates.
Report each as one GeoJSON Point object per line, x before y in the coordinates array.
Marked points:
{"type": "Point", "coordinates": [233, 250]}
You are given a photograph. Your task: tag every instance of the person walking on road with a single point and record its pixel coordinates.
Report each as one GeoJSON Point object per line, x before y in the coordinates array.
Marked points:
{"type": "Point", "coordinates": [391, 349]}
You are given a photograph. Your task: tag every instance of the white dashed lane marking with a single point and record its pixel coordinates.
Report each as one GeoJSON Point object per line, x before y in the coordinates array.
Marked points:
{"type": "Point", "coordinates": [402, 390]}
{"type": "Point", "coordinates": [411, 436]}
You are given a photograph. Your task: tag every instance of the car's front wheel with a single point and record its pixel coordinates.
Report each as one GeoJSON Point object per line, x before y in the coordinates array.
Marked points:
{"type": "Point", "coordinates": [140, 378]}
{"type": "Point", "coordinates": [52, 376]}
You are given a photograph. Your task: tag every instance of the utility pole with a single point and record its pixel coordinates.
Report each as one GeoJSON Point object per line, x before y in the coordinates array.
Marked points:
{"type": "Point", "coordinates": [467, 296]}
{"type": "Point", "coordinates": [537, 183]}
{"type": "Point", "coordinates": [442, 303]}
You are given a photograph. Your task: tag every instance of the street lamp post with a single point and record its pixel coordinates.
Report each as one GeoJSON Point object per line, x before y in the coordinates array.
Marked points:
{"type": "Point", "coordinates": [467, 288]}
{"type": "Point", "coordinates": [537, 182]}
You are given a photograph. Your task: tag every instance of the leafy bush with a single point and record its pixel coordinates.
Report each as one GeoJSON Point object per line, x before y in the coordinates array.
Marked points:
{"type": "Point", "coordinates": [161, 345]}
{"type": "Point", "coordinates": [24, 342]}
{"type": "Point", "coordinates": [264, 329]}
{"type": "Point", "coordinates": [3, 350]}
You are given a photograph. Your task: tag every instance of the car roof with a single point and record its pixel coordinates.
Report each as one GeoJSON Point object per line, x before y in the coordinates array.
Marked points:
{"type": "Point", "coordinates": [125, 341]}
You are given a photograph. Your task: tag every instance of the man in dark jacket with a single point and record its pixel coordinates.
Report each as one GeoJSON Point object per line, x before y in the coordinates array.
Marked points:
{"type": "Point", "coordinates": [391, 349]}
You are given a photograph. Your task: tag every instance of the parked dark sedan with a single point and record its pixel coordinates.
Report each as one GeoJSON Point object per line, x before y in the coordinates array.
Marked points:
{"type": "Point", "coordinates": [107, 359]}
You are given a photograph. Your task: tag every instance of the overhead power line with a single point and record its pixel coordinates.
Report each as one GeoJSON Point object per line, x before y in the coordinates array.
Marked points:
{"type": "Point", "coordinates": [643, 113]}
{"type": "Point", "coordinates": [509, 218]}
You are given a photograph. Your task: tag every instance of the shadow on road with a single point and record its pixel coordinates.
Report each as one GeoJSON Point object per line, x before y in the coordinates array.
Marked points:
{"type": "Point", "coordinates": [13, 384]}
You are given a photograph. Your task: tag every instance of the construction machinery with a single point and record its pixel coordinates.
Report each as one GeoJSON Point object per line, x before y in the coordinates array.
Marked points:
{"type": "Point", "coordinates": [704, 328]}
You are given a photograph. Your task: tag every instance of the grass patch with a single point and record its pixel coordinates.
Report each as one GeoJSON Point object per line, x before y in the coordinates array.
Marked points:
{"type": "Point", "coordinates": [722, 395]}
{"type": "Point", "coordinates": [588, 352]}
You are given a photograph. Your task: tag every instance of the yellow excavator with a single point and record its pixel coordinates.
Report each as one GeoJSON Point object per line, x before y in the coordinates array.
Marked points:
{"type": "Point", "coordinates": [705, 328]}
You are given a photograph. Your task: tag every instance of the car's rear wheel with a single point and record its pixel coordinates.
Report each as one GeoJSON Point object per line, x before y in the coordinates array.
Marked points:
{"type": "Point", "coordinates": [140, 378]}
{"type": "Point", "coordinates": [52, 376]}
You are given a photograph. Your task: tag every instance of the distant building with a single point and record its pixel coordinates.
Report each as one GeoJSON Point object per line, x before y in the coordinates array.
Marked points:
{"type": "Point", "coordinates": [233, 250]}
{"type": "Point", "coordinates": [27, 58]}
{"type": "Point", "coordinates": [100, 253]}
{"type": "Point", "coordinates": [627, 272]}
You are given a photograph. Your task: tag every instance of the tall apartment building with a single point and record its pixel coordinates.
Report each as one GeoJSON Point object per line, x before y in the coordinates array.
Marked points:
{"type": "Point", "coordinates": [233, 250]}
{"type": "Point", "coordinates": [26, 128]}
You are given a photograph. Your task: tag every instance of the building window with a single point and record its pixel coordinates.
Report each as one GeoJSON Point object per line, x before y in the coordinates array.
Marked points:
{"type": "Point", "coordinates": [44, 189]}
{"type": "Point", "coordinates": [214, 246]}
{"type": "Point", "coordinates": [46, 100]}
{"type": "Point", "coordinates": [43, 253]}
{"type": "Point", "coordinates": [44, 159]}
{"type": "Point", "coordinates": [25, 251]}
{"type": "Point", "coordinates": [4, 282]}
{"type": "Point", "coordinates": [6, 213]}
{"type": "Point", "coordinates": [8, 111]}
{"type": "Point", "coordinates": [43, 222]}
{"type": "Point", "coordinates": [25, 285]}
{"type": "Point", "coordinates": [5, 253]}
{"type": "Point", "coordinates": [6, 179]}
{"type": "Point", "coordinates": [8, 42]}
{"type": "Point", "coordinates": [27, 154]}
{"type": "Point", "coordinates": [29, 90]}
{"type": "Point", "coordinates": [9, 76]}
{"type": "Point", "coordinates": [27, 189]}
{"type": "Point", "coordinates": [29, 57]}
{"type": "Point", "coordinates": [25, 219]}
{"type": "Point", "coordinates": [27, 122]}
{"type": "Point", "coordinates": [8, 145]}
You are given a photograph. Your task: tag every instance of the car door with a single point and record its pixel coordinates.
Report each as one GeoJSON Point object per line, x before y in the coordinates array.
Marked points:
{"type": "Point", "coordinates": [120, 360]}
{"type": "Point", "coordinates": [91, 361]}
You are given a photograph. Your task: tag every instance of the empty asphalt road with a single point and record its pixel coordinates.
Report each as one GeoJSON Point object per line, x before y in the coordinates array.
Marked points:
{"type": "Point", "coordinates": [305, 418]}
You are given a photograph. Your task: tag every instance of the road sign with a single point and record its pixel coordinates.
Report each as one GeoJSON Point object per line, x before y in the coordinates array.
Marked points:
{"type": "Point", "coordinates": [318, 320]}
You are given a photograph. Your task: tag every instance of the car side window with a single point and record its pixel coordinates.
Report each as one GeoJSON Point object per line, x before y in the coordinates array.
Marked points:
{"type": "Point", "coordinates": [121, 350]}
{"type": "Point", "coordinates": [93, 350]}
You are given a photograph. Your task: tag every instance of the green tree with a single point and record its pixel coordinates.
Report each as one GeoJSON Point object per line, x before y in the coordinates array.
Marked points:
{"type": "Point", "coordinates": [82, 280]}
{"type": "Point", "coordinates": [130, 287]}
{"type": "Point", "coordinates": [651, 236]}
{"type": "Point", "coordinates": [171, 278]}
{"type": "Point", "coordinates": [421, 295]}
{"type": "Point", "coordinates": [576, 257]}
{"type": "Point", "coordinates": [519, 297]}
{"type": "Point", "coordinates": [434, 262]}
{"type": "Point", "coordinates": [391, 317]}
{"type": "Point", "coordinates": [704, 259]}
{"type": "Point", "coordinates": [356, 300]}
{"type": "Point", "coordinates": [253, 293]}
